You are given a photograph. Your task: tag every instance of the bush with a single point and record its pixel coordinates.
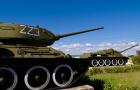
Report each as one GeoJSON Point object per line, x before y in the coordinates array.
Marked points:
{"type": "Point", "coordinates": [136, 59]}
{"type": "Point", "coordinates": [136, 67]}
{"type": "Point", "coordinates": [92, 71]}
{"type": "Point", "coordinates": [117, 69]}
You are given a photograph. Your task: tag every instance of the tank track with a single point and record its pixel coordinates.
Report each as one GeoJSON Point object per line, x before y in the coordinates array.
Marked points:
{"type": "Point", "coordinates": [40, 73]}
{"type": "Point", "coordinates": [107, 61]}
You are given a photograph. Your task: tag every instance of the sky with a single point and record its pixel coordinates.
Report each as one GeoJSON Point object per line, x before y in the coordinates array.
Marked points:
{"type": "Point", "coordinates": [120, 19]}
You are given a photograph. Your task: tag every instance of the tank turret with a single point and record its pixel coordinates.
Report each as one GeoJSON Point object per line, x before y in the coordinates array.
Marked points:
{"type": "Point", "coordinates": [31, 35]}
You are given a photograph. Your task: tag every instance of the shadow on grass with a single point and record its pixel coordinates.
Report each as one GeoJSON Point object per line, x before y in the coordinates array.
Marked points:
{"type": "Point", "coordinates": [96, 83]}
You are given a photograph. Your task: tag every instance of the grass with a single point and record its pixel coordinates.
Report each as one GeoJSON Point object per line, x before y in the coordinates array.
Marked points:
{"type": "Point", "coordinates": [119, 81]}
{"type": "Point", "coordinates": [113, 78]}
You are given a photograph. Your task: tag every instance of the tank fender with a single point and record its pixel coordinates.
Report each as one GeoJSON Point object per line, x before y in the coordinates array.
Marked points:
{"type": "Point", "coordinates": [6, 53]}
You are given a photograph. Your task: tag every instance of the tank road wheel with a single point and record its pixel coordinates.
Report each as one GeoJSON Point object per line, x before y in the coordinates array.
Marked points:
{"type": "Point", "coordinates": [120, 62]}
{"type": "Point", "coordinates": [37, 78]}
{"type": "Point", "coordinates": [114, 62]}
{"type": "Point", "coordinates": [101, 62]}
{"type": "Point", "coordinates": [107, 62]}
{"type": "Point", "coordinates": [94, 63]}
{"type": "Point", "coordinates": [62, 75]}
{"type": "Point", "coordinates": [8, 78]}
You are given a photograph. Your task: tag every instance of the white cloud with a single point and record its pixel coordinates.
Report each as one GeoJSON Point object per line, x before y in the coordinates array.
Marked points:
{"type": "Point", "coordinates": [86, 50]}
{"type": "Point", "coordinates": [67, 50]}
{"type": "Point", "coordinates": [132, 43]}
{"type": "Point", "coordinates": [88, 45]}
{"type": "Point", "coordinates": [105, 44]}
{"type": "Point", "coordinates": [137, 48]}
{"type": "Point", "coordinates": [75, 45]}
{"type": "Point", "coordinates": [78, 48]}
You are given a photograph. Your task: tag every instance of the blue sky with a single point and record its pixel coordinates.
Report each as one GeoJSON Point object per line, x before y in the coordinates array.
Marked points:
{"type": "Point", "coordinates": [120, 18]}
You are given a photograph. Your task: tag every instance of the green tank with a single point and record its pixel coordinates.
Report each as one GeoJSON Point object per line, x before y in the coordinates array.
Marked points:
{"type": "Point", "coordinates": [108, 57]}
{"type": "Point", "coordinates": [28, 63]}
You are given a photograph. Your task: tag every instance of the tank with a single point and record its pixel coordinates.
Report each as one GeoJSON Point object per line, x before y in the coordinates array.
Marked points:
{"type": "Point", "coordinates": [108, 57]}
{"type": "Point", "coordinates": [28, 62]}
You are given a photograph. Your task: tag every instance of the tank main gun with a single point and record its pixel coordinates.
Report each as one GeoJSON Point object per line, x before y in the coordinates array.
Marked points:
{"type": "Point", "coordinates": [129, 48]}
{"type": "Point", "coordinates": [75, 33]}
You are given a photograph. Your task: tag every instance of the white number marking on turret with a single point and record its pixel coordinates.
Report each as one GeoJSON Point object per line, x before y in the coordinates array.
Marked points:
{"type": "Point", "coordinates": [30, 31]}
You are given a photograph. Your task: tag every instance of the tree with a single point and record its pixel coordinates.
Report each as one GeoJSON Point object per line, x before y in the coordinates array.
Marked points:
{"type": "Point", "coordinates": [138, 52]}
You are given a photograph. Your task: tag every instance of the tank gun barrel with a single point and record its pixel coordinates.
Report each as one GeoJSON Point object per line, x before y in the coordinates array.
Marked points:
{"type": "Point", "coordinates": [129, 48]}
{"type": "Point", "coordinates": [75, 33]}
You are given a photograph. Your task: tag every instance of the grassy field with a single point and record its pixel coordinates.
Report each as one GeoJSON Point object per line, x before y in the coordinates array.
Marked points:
{"type": "Point", "coordinates": [116, 81]}
{"type": "Point", "coordinates": [113, 78]}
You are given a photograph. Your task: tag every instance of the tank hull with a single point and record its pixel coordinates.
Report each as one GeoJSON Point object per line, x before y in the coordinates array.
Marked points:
{"type": "Point", "coordinates": [24, 67]}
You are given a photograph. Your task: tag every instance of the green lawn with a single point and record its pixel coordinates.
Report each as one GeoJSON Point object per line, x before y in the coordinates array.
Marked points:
{"type": "Point", "coordinates": [116, 81]}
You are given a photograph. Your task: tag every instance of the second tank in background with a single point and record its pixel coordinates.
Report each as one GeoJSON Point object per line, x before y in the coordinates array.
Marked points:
{"type": "Point", "coordinates": [108, 57]}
